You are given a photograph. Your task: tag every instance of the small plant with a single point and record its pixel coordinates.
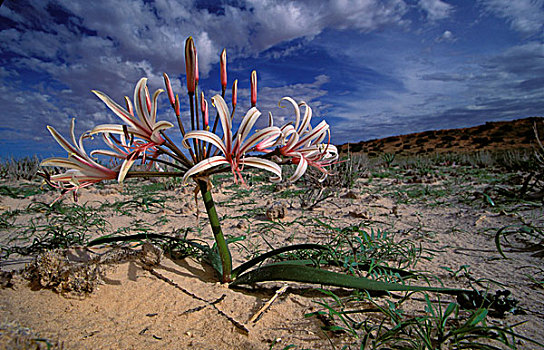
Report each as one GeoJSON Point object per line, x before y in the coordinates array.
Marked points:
{"type": "Point", "coordinates": [20, 169]}
{"type": "Point", "coordinates": [388, 159]}
{"type": "Point", "coordinates": [440, 325]}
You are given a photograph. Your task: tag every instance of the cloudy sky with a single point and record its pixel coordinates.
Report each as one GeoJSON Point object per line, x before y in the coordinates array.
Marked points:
{"type": "Point", "coordinates": [370, 68]}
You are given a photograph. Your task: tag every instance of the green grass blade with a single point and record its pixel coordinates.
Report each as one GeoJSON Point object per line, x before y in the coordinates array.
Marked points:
{"type": "Point", "coordinates": [306, 274]}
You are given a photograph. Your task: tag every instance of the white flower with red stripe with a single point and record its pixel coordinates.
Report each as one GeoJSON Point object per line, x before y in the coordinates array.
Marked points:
{"type": "Point", "coordinates": [144, 125]}
{"type": "Point", "coordinates": [234, 147]}
{"type": "Point", "coordinates": [303, 144]}
{"type": "Point", "coordinates": [82, 170]}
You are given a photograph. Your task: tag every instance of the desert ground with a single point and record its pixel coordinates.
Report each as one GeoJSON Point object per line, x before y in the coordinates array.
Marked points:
{"type": "Point", "coordinates": [438, 219]}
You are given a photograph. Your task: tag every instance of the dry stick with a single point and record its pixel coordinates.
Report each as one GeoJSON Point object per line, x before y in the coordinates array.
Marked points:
{"type": "Point", "coordinates": [265, 307]}
{"type": "Point", "coordinates": [237, 324]}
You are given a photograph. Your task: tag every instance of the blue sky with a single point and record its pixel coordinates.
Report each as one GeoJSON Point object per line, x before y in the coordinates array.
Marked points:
{"type": "Point", "coordinates": [370, 68]}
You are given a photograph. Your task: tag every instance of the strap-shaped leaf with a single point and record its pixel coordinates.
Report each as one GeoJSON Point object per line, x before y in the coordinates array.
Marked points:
{"type": "Point", "coordinates": [307, 274]}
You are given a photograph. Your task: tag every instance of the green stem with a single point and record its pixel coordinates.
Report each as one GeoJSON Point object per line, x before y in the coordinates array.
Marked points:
{"type": "Point", "coordinates": [224, 253]}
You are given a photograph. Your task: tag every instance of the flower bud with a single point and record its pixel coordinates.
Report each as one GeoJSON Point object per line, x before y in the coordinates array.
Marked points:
{"type": "Point", "coordinates": [176, 106]}
{"type": "Point", "coordinates": [169, 90]}
{"type": "Point", "coordinates": [190, 64]}
{"type": "Point", "coordinates": [204, 109]}
{"type": "Point", "coordinates": [234, 93]}
{"type": "Point", "coordinates": [223, 65]}
{"type": "Point", "coordinates": [196, 69]}
{"type": "Point", "coordinates": [253, 88]}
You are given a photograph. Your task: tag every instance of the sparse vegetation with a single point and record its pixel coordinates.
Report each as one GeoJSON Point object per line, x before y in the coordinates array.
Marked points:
{"type": "Point", "coordinates": [382, 241]}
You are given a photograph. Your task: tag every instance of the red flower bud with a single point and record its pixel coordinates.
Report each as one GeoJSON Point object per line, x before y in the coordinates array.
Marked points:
{"type": "Point", "coordinates": [176, 106]}
{"type": "Point", "coordinates": [223, 65]}
{"type": "Point", "coordinates": [204, 109]}
{"type": "Point", "coordinates": [169, 89]}
{"type": "Point", "coordinates": [234, 93]}
{"type": "Point", "coordinates": [190, 64]}
{"type": "Point", "coordinates": [253, 88]}
{"type": "Point", "coordinates": [196, 69]}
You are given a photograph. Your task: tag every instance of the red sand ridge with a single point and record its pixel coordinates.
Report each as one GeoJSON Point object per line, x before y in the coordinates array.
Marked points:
{"type": "Point", "coordinates": [491, 136]}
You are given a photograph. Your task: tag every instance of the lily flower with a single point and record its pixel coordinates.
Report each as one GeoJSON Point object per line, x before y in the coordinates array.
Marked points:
{"type": "Point", "coordinates": [144, 126]}
{"type": "Point", "coordinates": [82, 171]}
{"type": "Point", "coordinates": [303, 144]}
{"type": "Point", "coordinates": [120, 150]}
{"type": "Point", "coordinates": [234, 148]}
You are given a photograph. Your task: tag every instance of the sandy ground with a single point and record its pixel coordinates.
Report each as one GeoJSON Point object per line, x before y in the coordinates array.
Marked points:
{"type": "Point", "coordinates": [178, 304]}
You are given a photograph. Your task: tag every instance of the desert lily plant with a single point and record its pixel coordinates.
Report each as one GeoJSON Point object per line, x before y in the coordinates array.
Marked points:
{"type": "Point", "coordinates": [204, 151]}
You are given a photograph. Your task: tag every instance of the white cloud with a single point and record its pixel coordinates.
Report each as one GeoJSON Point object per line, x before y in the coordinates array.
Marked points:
{"type": "Point", "coordinates": [447, 36]}
{"type": "Point", "coordinates": [436, 9]}
{"type": "Point", "coordinates": [526, 16]}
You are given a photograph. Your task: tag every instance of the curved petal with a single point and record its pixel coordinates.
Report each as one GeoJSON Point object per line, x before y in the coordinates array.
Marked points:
{"type": "Point", "coordinates": [295, 106]}
{"type": "Point", "coordinates": [62, 141]}
{"type": "Point", "coordinates": [245, 126]}
{"type": "Point", "coordinates": [140, 102]}
{"type": "Point", "coordinates": [264, 164]}
{"type": "Point", "coordinates": [62, 162]}
{"type": "Point", "coordinates": [154, 107]}
{"type": "Point", "coordinates": [204, 136]}
{"type": "Point", "coordinates": [124, 169]}
{"type": "Point", "coordinates": [224, 117]}
{"type": "Point", "coordinates": [315, 133]}
{"type": "Point", "coordinates": [108, 153]}
{"type": "Point", "coordinates": [203, 165]}
{"type": "Point", "coordinates": [118, 129]}
{"type": "Point", "coordinates": [163, 124]}
{"type": "Point", "coordinates": [118, 110]}
{"type": "Point", "coordinates": [271, 132]}
{"type": "Point", "coordinates": [306, 119]}
{"type": "Point", "coordinates": [301, 169]}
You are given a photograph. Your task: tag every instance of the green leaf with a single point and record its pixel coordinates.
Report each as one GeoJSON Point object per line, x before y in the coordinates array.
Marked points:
{"type": "Point", "coordinates": [498, 238]}
{"type": "Point", "coordinates": [306, 274]}
{"type": "Point", "coordinates": [250, 263]}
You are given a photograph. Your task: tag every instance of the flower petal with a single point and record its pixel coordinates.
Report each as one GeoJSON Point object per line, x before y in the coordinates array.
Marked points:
{"type": "Point", "coordinates": [263, 164]}
{"type": "Point", "coordinates": [140, 102]}
{"type": "Point", "coordinates": [203, 165]}
{"type": "Point", "coordinates": [125, 168]}
{"type": "Point", "coordinates": [301, 169]}
{"type": "Point", "coordinates": [223, 112]}
{"type": "Point", "coordinates": [118, 110]}
{"type": "Point", "coordinates": [245, 126]}
{"type": "Point", "coordinates": [295, 106]}
{"type": "Point", "coordinates": [206, 136]}
{"type": "Point", "coordinates": [271, 132]}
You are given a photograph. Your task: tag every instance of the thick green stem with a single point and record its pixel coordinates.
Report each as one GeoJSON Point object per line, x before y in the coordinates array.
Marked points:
{"type": "Point", "coordinates": [224, 253]}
